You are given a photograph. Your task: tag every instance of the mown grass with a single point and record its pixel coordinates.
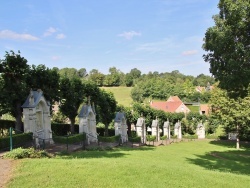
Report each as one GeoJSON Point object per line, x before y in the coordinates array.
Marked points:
{"type": "Point", "coordinates": [186, 164]}
{"type": "Point", "coordinates": [122, 94]}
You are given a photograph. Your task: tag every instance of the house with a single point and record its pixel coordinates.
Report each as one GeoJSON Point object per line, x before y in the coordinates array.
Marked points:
{"type": "Point", "coordinates": [204, 109]}
{"type": "Point", "coordinates": [173, 104]}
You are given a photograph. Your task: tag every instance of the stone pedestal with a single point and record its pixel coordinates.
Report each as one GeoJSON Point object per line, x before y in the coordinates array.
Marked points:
{"type": "Point", "coordinates": [200, 131]}
{"type": "Point", "coordinates": [141, 129]}
{"type": "Point", "coordinates": [155, 129]}
{"type": "Point", "coordinates": [177, 130]}
{"type": "Point", "coordinates": [166, 129]}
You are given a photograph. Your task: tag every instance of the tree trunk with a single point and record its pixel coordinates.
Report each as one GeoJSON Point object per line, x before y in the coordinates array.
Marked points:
{"type": "Point", "coordinates": [72, 125]}
{"type": "Point", "coordinates": [106, 130]}
{"type": "Point", "coordinates": [238, 138]}
{"type": "Point", "coordinates": [129, 129]}
{"type": "Point", "coordinates": [19, 117]}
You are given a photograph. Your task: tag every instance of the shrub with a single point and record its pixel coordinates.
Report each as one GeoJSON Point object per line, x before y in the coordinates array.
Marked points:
{"type": "Point", "coordinates": [17, 139]}
{"type": "Point", "coordinates": [164, 137]}
{"type": "Point", "coordinates": [109, 139]}
{"type": "Point", "coordinates": [134, 139]}
{"type": "Point", "coordinates": [190, 136]}
{"type": "Point", "coordinates": [20, 153]}
{"type": "Point", "coordinates": [150, 138]}
{"type": "Point", "coordinates": [70, 139]}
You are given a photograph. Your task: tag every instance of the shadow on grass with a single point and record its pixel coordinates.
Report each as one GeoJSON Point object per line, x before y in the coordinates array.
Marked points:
{"type": "Point", "coordinates": [116, 152]}
{"type": "Point", "coordinates": [235, 161]}
{"type": "Point", "coordinates": [231, 144]}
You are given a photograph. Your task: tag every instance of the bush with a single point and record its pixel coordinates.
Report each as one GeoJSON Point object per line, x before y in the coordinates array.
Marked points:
{"type": "Point", "coordinates": [61, 129]}
{"type": "Point", "coordinates": [109, 139]}
{"type": "Point", "coordinates": [150, 138]}
{"type": "Point", "coordinates": [164, 137]}
{"type": "Point", "coordinates": [17, 139]}
{"type": "Point", "coordinates": [134, 139]}
{"type": "Point", "coordinates": [211, 136]}
{"type": "Point", "coordinates": [190, 136]}
{"type": "Point", "coordinates": [20, 153]}
{"type": "Point", "coordinates": [70, 139]}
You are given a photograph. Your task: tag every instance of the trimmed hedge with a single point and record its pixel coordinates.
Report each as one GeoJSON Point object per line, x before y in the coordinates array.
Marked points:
{"type": "Point", "coordinates": [70, 139]}
{"type": "Point", "coordinates": [61, 129]}
{"type": "Point", "coordinates": [190, 136]}
{"type": "Point", "coordinates": [150, 138]}
{"type": "Point", "coordinates": [134, 139]}
{"type": "Point", "coordinates": [17, 140]}
{"type": "Point", "coordinates": [109, 139]}
{"type": "Point", "coordinates": [164, 137]}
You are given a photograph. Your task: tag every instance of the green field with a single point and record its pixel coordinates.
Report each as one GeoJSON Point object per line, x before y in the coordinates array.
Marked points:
{"type": "Point", "coordinates": [122, 94]}
{"type": "Point", "coordinates": [186, 164]}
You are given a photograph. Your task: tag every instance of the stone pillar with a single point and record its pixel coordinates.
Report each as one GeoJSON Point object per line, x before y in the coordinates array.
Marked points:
{"type": "Point", "coordinates": [141, 129]}
{"type": "Point", "coordinates": [200, 131]}
{"type": "Point", "coordinates": [155, 129]}
{"type": "Point", "coordinates": [166, 129]}
{"type": "Point", "coordinates": [177, 130]}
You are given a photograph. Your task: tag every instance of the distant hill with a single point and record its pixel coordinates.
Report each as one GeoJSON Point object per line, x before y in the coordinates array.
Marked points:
{"type": "Point", "coordinates": [122, 94]}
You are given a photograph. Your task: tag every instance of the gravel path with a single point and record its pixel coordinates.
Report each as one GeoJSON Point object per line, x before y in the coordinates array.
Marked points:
{"type": "Point", "coordinates": [6, 166]}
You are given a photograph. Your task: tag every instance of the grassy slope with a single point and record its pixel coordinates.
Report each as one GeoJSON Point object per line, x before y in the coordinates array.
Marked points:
{"type": "Point", "coordinates": [186, 164]}
{"type": "Point", "coordinates": [122, 94]}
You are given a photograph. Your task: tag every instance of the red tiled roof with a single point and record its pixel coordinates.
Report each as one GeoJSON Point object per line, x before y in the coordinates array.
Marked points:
{"type": "Point", "coordinates": [174, 98]}
{"type": "Point", "coordinates": [167, 106]}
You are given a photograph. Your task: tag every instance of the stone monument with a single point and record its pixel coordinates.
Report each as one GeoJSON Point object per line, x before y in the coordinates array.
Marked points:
{"type": "Point", "coordinates": [36, 117]}
{"type": "Point", "coordinates": [141, 129]}
{"type": "Point", "coordinates": [121, 126]}
{"type": "Point", "coordinates": [200, 131]}
{"type": "Point", "coordinates": [87, 122]}
{"type": "Point", "coordinates": [177, 130]}
{"type": "Point", "coordinates": [166, 129]}
{"type": "Point", "coordinates": [155, 129]}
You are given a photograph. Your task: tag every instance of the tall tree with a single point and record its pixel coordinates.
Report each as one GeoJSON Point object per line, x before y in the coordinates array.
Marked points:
{"type": "Point", "coordinates": [41, 77]}
{"type": "Point", "coordinates": [96, 77]}
{"type": "Point", "coordinates": [13, 72]}
{"type": "Point", "coordinates": [228, 49]}
{"type": "Point", "coordinates": [72, 96]}
{"type": "Point", "coordinates": [227, 44]}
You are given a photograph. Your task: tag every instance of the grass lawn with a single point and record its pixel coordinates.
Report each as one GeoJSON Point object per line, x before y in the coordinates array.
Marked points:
{"type": "Point", "coordinates": [122, 94]}
{"type": "Point", "coordinates": [185, 164]}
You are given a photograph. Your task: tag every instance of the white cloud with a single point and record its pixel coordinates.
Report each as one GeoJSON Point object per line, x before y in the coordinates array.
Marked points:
{"type": "Point", "coordinates": [129, 35]}
{"type": "Point", "coordinates": [60, 36]}
{"type": "Point", "coordinates": [165, 45]}
{"type": "Point", "coordinates": [55, 58]}
{"type": "Point", "coordinates": [189, 52]}
{"type": "Point", "coordinates": [7, 34]}
{"type": "Point", "coordinates": [49, 32]}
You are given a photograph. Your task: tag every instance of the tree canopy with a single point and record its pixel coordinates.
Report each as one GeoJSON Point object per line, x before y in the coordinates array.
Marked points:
{"type": "Point", "coordinates": [228, 46]}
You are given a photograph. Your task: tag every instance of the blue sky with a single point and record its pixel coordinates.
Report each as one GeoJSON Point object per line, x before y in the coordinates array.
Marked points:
{"type": "Point", "coordinates": [150, 35]}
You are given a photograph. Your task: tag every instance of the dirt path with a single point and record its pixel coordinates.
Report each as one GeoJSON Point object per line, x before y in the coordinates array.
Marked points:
{"type": "Point", "coordinates": [6, 167]}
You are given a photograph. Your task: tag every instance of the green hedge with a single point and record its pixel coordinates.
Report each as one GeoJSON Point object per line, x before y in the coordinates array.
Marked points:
{"type": "Point", "coordinates": [109, 139]}
{"type": "Point", "coordinates": [61, 129]}
{"type": "Point", "coordinates": [150, 138]}
{"type": "Point", "coordinates": [17, 140]}
{"type": "Point", "coordinates": [164, 137]}
{"type": "Point", "coordinates": [134, 139]}
{"type": "Point", "coordinates": [70, 139]}
{"type": "Point", "coordinates": [190, 136]}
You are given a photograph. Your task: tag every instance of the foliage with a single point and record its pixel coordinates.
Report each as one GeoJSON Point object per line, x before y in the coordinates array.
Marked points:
{"type": "Point", "coordinates": [136, 139]}
{"type": "Point", "coordinates": [59, 117]}
{"type": "Point", "coordinates": [70, 139]}
{"type": "Point", "coordinates": [17, 140]}
{"type": "Point", "coordinates": [227, 44]}
{"type": "Point", "coordinates": [187, 136]}
{"type": "Point", "coordinates": [61, 129]}
{"type": "Point", "coordinates": [72, 95]}
{"type": "Point", "coordinates": [108, 139]}
{"type": "Point", "coordinates": [20, 153]}
{"type": "Point", "coordinates": [150, 138]}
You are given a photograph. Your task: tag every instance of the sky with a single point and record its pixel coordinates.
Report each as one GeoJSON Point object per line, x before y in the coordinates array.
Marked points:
{"type": "Point", "coordinates": [150, 35]}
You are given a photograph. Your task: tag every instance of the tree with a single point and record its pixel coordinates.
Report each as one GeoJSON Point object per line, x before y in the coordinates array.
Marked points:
{"type": "Point", "coordinates": [106, 108]}
{"type": "Point", "coordinates": [227, 44]}
{"type": "Point", "coordinates": [72, 96]}
{"type": "Point", "coordinates": [228, 49]}
{"type": "Point", "coordinates": [233, 113]}
{"type": "Point", "coordinates": [14, 73]}
{"type": "Point", "coordinates": [96, 77]}
{"type": "Point", "coordinates": [69, 72]}
{"type": "Point", "coordinates": [41, 77]}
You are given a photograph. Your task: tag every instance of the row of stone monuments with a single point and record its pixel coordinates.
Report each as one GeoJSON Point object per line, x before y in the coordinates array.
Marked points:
{"type": "Point", "coordinates": [141, 129]}
{"type": "Point", "coordinates": [36, 113]}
